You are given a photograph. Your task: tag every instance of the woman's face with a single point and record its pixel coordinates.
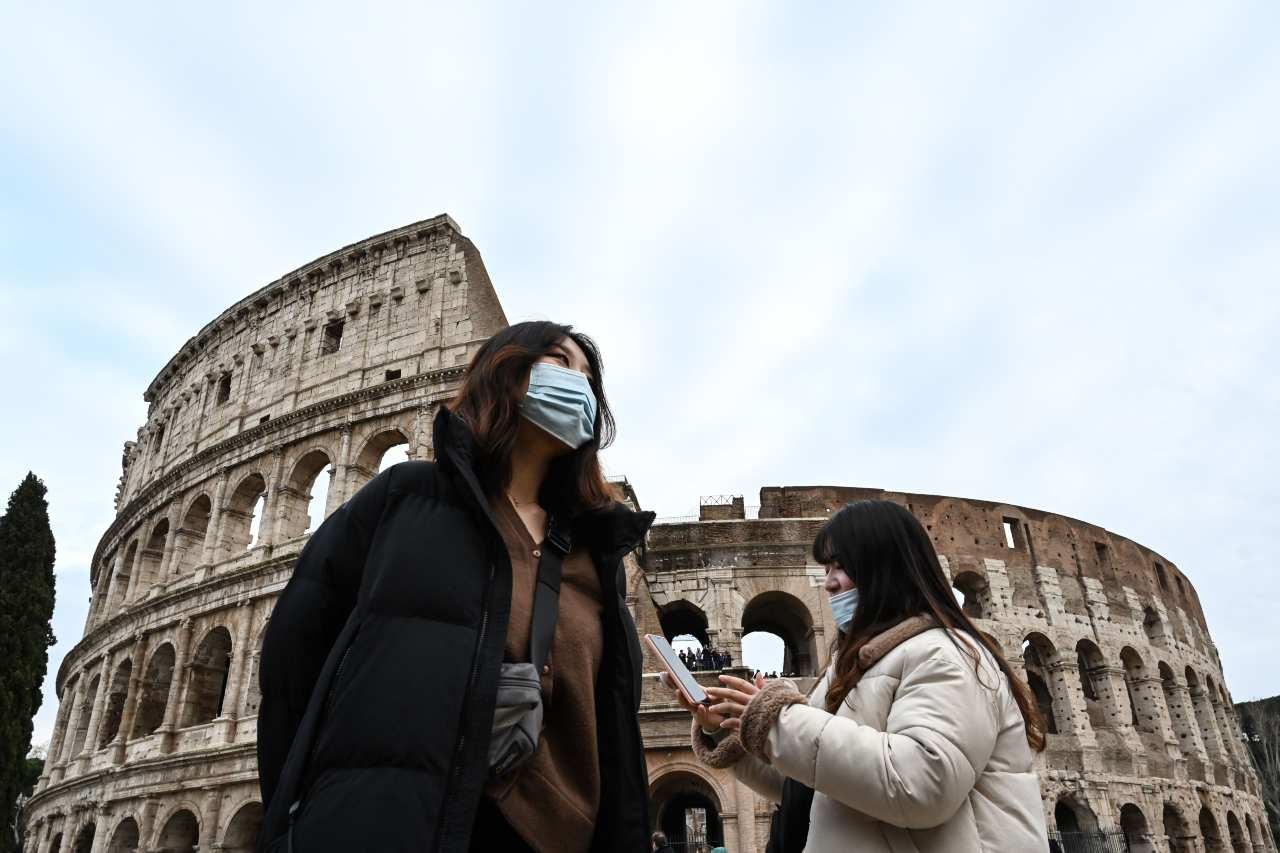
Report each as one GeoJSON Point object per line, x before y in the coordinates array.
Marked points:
{"type": "Point", "coordinates": [836, 581]}
{"type": "Point", "coordinates": [564, 353]}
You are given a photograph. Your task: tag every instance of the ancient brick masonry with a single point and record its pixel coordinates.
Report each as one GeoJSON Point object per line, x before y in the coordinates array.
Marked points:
{"type": "Point", "coordinates": [327, 369]}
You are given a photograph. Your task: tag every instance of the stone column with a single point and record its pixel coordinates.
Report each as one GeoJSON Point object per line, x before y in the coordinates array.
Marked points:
{"type": "Point", "coordinates": [69, 827]}
{"type": "Point", "coordinates": [338, 484]}
{"type": "Point", "coordinates": [95, 716]}
{"type": "Point", "coordinates": [102, 829]}
{"type": "Point", "coordinates": [73, 720]}
{"type": "Point", "coordinates": [210, 555]}
{"type": "Point", "coordinates": [55, 742]}
{"type": "Point", "coordinates": [237, 667]}
{"type": "Point", "coordinates": [1184, 721]}
{"type": "Point", "coordinates": [1068, 700]}
{"type": "Point", "coordinates": [147, 826]}
{"type": "Point", "coordinates": [1207, 720]}
{"type": "Point", "coordinates": [135, 572]}
{"type": "Point", "coordinates": [211, 834]}
{"type": "Point", "coordinates": [132, 699]}
{"type": "Point", "coordinates": [177, 688]}
{"type": "Point", "coordinates": [1230, 743]}
{"type": "Point", "coordinates": [269, 524]}
{"type": "Point", "coordinates": [170, 541]}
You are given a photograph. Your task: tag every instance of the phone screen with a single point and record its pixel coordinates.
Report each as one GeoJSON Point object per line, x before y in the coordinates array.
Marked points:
{"type": "Point", "coordinates": [678, 670]}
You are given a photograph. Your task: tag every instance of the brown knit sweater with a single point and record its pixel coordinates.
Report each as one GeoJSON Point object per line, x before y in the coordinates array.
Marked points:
{"type": "Point", "coordinates": [552, 799]}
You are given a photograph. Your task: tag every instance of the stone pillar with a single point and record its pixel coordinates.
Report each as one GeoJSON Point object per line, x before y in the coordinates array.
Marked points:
{"type": "Point", "coordinates": [1207, 720]}
{"type": "Point", "coordinates": [745, 805]}
{"type": "Point", "coordinates": [132, 699]}
{"type": "Point", "coordinates": [102, 828]}
{"type": "Point", "coordinates": [69, 827]}
{"type": "Point", "coordinates": [55, 743]}
{"type": "Point", "coordinates": [95, 716]}
{"type": "Point", "coordinates": [147, 825]}
{"type": "Point", "coordinates": [170, 541]}
{"type": "Point", "coordinates": [177, 688]}
{"type": "Point", "coordinates": [73, 720]}
{"type": "Point", "coordinates": [1230, 743]}
{"type": "Point", "coordinates": [211, 832]}
{"type": "Point", "coordinates": [209, 555]}
{"type": "Point", "coordinates": [1068, 700]}
{"type": "Point", "coordinates": [1184, 720]}
{"type": "Point", "coordinates": [237, 667]}
{"type": "Point", "coordinates": [135, 573]}
{"type": "Point", "coordinates": [270, 523]}
{"type": "Point", "coordinates": [338, 485]}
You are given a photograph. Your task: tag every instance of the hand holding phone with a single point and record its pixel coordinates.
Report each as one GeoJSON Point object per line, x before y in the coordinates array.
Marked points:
{"type": "Point", "coordinates": [679, 674]}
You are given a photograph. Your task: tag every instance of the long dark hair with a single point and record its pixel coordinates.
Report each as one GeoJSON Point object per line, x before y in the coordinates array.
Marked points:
{"type": "Point", "coordinates": [489, 402]}
{"type": "Point", "coordinates": [886, 552]}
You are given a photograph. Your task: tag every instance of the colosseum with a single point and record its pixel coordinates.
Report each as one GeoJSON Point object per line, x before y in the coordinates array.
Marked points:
{"type": "Point", "coordinates": [291, 399]}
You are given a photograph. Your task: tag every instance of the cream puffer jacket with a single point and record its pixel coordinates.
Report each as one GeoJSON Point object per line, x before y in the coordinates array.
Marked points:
{"type": "Point", "coordinates": [925, 755]}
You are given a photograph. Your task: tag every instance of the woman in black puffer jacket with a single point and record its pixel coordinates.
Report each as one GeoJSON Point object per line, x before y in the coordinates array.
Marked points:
{"type": "Point", "coordinates": [380, 668]}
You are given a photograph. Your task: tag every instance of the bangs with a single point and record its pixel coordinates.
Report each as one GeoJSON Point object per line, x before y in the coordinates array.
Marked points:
{"type": "Point", "coordinates": [824, 545]}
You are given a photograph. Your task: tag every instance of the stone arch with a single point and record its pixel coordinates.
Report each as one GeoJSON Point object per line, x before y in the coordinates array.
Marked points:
{"type": "Point", "coordinates": [781, 613]}
{"type": "Point", "coordinates": [974, 594]}
{"type": "Point", "coordinates": [1137, 834]}
{"type": "Point", "coordinates": [180, 833]}
{"type": "Point", "coordinates": [152, 558]}
{"type": "Point", "coordinates": [81, 732]}
{"type": "Point", "coordinates": [1038, 652]}
{"type": "Point", "coordinates": [119, 585]}
{"type": "Point", "coordinates": [370, 458]}
{"type": "Point", "coordinates": [683, 617]}
{"type": "Point", "coordinates": [296, 498]}
{"type": "Point", "coordinates": [189, 539]}
{"type": "Point", "coordinates": [1093, 684]}
{"type": "Point", "coordinates": [1202, 706]}
{"type": "Point", "coordinates": [207, 678]}
{"type": "Point", "coordinates": [1210, 833]}
{"type": "Point", "coordinates": [247, 503]}
{"type": "Point", "coordinates": [253, 691]}
{"type": "Point", "coordinates": [1074, 819]}
{"type": "Point", "coordinates": [1252, 826]}
{"type": "Point", "coordinates": [676, 795]}
{"type": "Point", "coordinates": [1146, 714]}
{"type": "Point", "coordinates": [118, 691]}
{"type": "Point", "coordinates": [125, 838]}
{"type": "Point", "coordinates": [1176, 830]}
{"type": "Point", "coordinates": [157, 679]}
{"type": "Point", "coordinates": [1235, 832]}
{"type": "Point", "coordinates": [242, 831]}
{"type": "Point", "coordinates": [84, 838]}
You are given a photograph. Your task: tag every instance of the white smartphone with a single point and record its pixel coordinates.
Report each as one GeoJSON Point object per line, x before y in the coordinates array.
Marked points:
{"type": "Point", "coordinates": [684, 679]}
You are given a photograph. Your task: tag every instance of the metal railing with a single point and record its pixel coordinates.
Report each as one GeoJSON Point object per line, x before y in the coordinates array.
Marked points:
{"type": "Point", "coordinates": [1088, 842]}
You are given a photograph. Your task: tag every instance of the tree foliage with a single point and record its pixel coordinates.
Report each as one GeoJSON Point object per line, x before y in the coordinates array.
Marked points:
{"type": "Point", "coordinates": [26, 611]}
{"type": "Point", "coordinates": [1261, 723]}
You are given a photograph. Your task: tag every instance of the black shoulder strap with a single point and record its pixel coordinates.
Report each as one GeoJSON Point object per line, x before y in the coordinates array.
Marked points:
{"type": "Point", "coordinates": [546, 597]}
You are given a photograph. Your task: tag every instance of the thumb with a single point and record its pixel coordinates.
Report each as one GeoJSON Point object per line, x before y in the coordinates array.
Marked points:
{"type": "Point", "coordinates": [759, 680]}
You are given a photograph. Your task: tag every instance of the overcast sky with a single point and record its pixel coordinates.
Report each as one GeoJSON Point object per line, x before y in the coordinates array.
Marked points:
{"type": "Point", "coordinates": [1019, 252]}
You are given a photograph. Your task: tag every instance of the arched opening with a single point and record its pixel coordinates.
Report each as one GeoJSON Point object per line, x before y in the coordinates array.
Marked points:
{"type": "Point", "coordinates": [114, 710]}
{"type": "Point", "coordinates": [155, 692]}
{"type": "Point", "coordinates": [151, 559]}
{"type": "Point", "coordinates": [764, 652]}
{"type": "Point", "coordinates": [125, 838]}
{"type": "Point", "coordinates": [181, 834]}
{"type": "Point", "coordinates": [787, 617]}
{"type": "Point", "coordinates": [1236, 833]}
{"type": "Point", "coordinates": [973, 593]}
{"type": "Point", "coordinates": [686, 809]}
{"type": "Point", "coordinates": [1133, 823]}
{"type": "Point", "coordinates": [1252, 826]}
{"type": "Point", "coordinates": [1203, 710]}
{"type": "Point", "coordinates": [1093, 685]}
{"type": "Point", "coordinates": [82, 719]}
{"type": "Point", "coordinates": [1077, 825]}
{"type": "Point", "coordinates": [684, 623]}
{"type": "Point", "coordinates": [120, 581]}
{"type": "Point", "coordinates": [1037, 653]}
{"type": "Point", "coordinates": [1209, 832]}
{"type": "Point", "coordinates": [208, 674]}
{"type": "Point", "coordinates": [84, 839]}
{"type": "Point", "coordinates": [241, 518]}
{"type": "Point", "coordinates": [1182, 727]}
{"type": "Point", "coordinates": [379, 453]}
{"type": "Point", "coordinates": [1175, 830]}
{"type": "Point", "coordinates": [302, 500]}
{"type": "Point", "coordinates": [242, 832]}
{"type": "Point", "coordinates": [188, 544]}
{"type": "Point", "coordinates": [1146, 715]}
{"type": "Point", "coordinates": [1153, 625]}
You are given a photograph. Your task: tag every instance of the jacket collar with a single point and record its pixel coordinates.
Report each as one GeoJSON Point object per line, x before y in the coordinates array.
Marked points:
{"type": "Point", "coordinates": [607, 531]}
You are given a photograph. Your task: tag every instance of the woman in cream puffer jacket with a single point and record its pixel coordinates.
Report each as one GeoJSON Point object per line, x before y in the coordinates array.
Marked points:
{"type": "Point", "coordinates": [930, 745]}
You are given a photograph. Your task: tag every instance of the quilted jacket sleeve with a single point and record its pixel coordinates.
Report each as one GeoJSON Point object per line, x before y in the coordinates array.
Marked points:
{"type": "Point", "coordinates": [307, 619]}
{"type": "Point", "coordinates": [940, 733]}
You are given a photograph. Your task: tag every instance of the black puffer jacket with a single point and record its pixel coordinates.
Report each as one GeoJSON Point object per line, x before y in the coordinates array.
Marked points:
{"type": "Point", "coordinates": [380, 667]}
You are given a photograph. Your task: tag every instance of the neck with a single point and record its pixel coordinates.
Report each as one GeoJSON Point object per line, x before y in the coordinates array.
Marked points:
{"type": "Point", "coordinates": [529, 463]}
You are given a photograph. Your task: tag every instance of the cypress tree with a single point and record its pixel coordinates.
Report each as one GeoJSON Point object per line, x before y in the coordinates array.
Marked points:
{"type": "Point", "coordinates": [26, 611]}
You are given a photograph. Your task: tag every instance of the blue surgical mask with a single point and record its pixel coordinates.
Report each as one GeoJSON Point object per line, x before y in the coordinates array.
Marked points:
{"type": "Point", "coordinates": [843, 606]}
{"type": "Point", "coordinates": [561, 402]}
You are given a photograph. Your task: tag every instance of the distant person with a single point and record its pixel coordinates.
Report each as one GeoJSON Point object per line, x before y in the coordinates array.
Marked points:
{"type": "Point", "coordinates": [381, 666]}
{"type": "Point", "coordinates": [919, 736]}
{"type": "Point", "coordinates": [658, 844]}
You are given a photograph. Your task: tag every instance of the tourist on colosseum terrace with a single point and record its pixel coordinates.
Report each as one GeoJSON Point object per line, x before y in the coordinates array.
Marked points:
{"type": "Point", "coordinates": [400, 674]}
{"type": "Point", "coordinates": [917, 737]}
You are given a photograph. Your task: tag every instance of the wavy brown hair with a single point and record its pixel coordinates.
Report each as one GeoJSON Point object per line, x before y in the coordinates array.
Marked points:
{"type": "Point", "coordinates": [489, 403]}
{"type": "Point", "coordinates": [886, 552]}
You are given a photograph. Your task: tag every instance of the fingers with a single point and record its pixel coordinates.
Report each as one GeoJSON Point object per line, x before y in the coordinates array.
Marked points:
{"type": "Point", "coordinates": [732, 695]}
{"type": "Point", "coordinates": [759, 680]}
{"type": "Point", "coordinates": [738, 683]}
{"type": "Point", "coordinates": [729, 709]}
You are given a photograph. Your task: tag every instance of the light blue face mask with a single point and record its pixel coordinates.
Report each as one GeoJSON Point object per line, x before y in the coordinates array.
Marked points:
{"type": "Point", "coordinates": [843, 606]}
{"type": "Point", "coordinates": [560, 401]}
